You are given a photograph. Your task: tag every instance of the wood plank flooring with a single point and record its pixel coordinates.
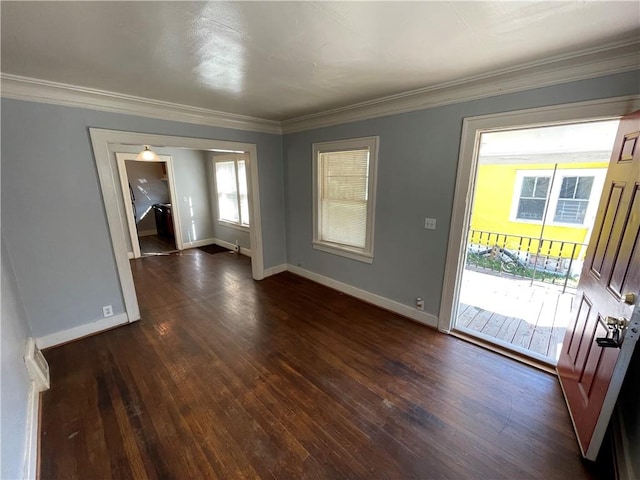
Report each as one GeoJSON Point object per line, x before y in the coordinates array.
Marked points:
{"type": "Point", "coordinates": [229, 378]}
{"type": "Point", "coordinates": [156, 244]}
{"type": "Point", "coordinates": [531, 318]}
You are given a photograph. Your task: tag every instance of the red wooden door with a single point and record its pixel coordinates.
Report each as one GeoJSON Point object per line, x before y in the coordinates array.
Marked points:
{"type": "Point", "coordinates": [590, 374]}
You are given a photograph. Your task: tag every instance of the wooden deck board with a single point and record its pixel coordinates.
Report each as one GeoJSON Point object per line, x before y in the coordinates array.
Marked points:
{"type": "Point", "coordinates": [530, 317]}
{"type": "Point", "coordinates": [494, 324]}
{"type": "Point", "coordinates": [508, 329]}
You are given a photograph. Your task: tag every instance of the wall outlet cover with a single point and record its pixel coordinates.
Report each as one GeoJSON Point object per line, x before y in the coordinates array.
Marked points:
{"type": "Point", "coordinates": [430, 223]}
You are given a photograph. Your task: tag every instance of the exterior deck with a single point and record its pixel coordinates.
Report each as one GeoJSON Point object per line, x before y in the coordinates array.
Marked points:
{"type": "Point", "coordinates": [530, 319]}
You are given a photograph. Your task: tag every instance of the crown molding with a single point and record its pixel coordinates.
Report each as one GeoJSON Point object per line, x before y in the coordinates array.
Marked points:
{"type": "Point", "coordinates": [609, 59]}
{"type": "Point", "coordinates": [606, 60]}
{"type": "Point", "coordinates": [44, 91]}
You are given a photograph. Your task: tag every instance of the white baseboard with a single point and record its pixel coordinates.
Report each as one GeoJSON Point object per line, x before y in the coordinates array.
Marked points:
{"type": "Point", "coordinates": [130, 255]}
{"type": "Point", "coordinates": [199, 243]}
{"type": "Point", "coordinates": [231, 246]}
{"type": "Point", "coordinates": [382, 302]}
{"type": "Point", "coordinates": [275, 270]}
{"type": "Point", "coordinates": [80, 331]}
{"type": "Point", "coordinates": [30, 465]}
{"type": "Point", "coordinates": [147, 233]}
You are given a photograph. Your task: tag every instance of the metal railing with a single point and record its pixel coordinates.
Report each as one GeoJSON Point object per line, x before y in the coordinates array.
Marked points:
{"type": "Point", "coordinates": [552, 261]}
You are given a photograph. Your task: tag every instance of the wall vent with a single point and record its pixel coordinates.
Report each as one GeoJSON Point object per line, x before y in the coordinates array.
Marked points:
{"type": "Point", "coordinates": [37, 365]}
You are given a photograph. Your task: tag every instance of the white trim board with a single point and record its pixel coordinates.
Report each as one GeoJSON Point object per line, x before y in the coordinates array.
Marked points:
{"type": "Point", "coordinates": [43, 91]}
{"type": "Point", "coordinates": [231, 246]}
{"type": "Point", "coordinates": [81, 331]}
{"type": "Point", "coordinates": [372, 298]}
{"type": "Point", "coordinates": [268, 272]}
{"type": "Point", "coordinates": [30, 462]}
{"type": "Point", "coordinates": [595, 62]}
{"type": "Point", "coordinates": [472, 128]}
{"type": "Point", "coordinates": [199, 243]}
{"type": "Point", "coordinates": [608, 59]}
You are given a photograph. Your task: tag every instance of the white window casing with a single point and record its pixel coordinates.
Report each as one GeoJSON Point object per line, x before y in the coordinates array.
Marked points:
{"type": "Point", "coordinates": [344, 192]}
{"type": "Point", "coordinates": [231, 191]}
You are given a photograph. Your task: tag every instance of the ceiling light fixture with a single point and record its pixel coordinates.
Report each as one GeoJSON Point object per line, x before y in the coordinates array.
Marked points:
{"type": "Point", "coordinates": [148, 155]}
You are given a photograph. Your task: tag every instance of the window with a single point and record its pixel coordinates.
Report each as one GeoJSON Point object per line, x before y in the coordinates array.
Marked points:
{"type": "Point", "coordinates": [231, 187]}
{"type": "Point", "coordinates": [533, 198]}
{"type": "Point", "coordinates": [572, 196]}
{"type": "Point", "coordinates": [573, 199]}
{"type": "Point", "coordinates": [344, 197]}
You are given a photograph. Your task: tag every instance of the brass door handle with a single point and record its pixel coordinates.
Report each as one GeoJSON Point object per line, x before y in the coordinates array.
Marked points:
{"type": "Point", "coordinates": [617, 322]}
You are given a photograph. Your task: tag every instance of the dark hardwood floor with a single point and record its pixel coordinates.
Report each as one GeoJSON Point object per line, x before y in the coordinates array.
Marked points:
{"type": "Point", "coordinates": [156, 244]}
{"type": "Point", "coordinates": [229, 378]}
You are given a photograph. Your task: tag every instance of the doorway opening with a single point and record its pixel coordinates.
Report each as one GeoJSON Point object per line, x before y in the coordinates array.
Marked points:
{"type": "Point", "coordinates": [148, 188]}
{"type": "Point", "coordinates": [535, 198]}
{"type": "Point", "coordinates": [106, 142]}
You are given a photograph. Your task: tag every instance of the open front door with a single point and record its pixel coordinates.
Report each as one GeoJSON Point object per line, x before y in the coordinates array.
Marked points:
{"type": "Point", "coordinates": [598, 347]}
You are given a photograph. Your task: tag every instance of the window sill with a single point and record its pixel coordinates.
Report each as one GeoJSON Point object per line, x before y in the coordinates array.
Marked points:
{"type": "Point", "coordinates": [343, 252]}
{"type": "Point", "coordinates": [235, 226]}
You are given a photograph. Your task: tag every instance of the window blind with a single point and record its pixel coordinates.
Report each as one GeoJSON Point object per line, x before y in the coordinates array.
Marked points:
{"type": "Point", "coordinates": [343, 197]}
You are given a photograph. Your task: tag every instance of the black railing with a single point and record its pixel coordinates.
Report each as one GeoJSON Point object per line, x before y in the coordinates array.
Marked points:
{"type": "Point", "coordinates": [544, 260]}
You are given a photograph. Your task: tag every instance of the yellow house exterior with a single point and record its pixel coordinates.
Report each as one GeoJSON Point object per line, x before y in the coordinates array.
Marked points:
{"type": "Point", "coordinates": [498, 189]}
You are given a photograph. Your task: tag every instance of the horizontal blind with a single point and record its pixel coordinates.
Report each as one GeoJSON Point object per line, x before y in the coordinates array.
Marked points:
{"type": "Point", "coordinates": [343, 198]}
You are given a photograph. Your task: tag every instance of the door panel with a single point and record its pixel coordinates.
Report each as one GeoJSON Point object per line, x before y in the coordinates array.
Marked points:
{"type": "Point", "coordinates": [590, 374]}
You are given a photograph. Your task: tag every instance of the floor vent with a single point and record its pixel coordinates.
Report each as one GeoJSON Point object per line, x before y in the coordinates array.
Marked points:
{"type": "Point", "coordinates": [37, 366]}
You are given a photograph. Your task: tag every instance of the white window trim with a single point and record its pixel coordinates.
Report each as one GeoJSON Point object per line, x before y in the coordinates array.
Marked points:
{"type": "Point", "coordinates": [365, 254]}
{"type": "Point", "coordinates": [598, 182]}
{"type": "Point", "coordinates": [223, 159]}
{"type": "Point", "coordinates": [235, 226]}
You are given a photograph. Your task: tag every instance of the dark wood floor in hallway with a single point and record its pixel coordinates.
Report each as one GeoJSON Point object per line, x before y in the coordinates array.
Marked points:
{"type": "Point", "coordinates": [229, 378]}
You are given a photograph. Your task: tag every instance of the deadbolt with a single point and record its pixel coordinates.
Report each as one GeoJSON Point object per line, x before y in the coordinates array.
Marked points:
{"type": "Point", "coordinates": [628, 298]}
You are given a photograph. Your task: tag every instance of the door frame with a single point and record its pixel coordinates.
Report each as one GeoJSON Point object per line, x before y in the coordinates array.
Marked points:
{"type": "Point", "coordinates": [121, 159]}
{"type": "Point", "coordinates": [472, 128]}
{"type": "Point", "coordinates": [108, 177]}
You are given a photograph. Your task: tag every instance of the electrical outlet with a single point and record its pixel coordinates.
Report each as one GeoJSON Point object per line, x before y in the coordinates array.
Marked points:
{"type": "Point", "coordinates": [107, 311]}
{"type": "Point", "coordinates": [419, 303]}
{"type": "Point", "coordinates": [430, 223]}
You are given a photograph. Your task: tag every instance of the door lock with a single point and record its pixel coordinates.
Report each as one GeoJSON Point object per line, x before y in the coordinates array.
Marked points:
{"type": "Point", "coordinates": [614, 327]}
{"type": "Point", "coordinates": [619, 322]}
{"type": "Point", "coordinates": [628, 298]}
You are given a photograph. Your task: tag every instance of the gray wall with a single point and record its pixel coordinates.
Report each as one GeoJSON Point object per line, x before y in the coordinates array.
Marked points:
{"type": "Point", "coordinates": [145, 179]}
{"type": "Point", "coordinates": [53, 216]}
{"type": "Point", "coordinates": [416, 179]}
{"type": "Point", "coordinates": [193, 195]}
{"type": "Point", "coordinates": [15, 384]}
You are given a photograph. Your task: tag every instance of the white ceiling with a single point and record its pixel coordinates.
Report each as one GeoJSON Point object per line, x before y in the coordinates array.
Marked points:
{"type": "Point", "coordinates": [281, 60]}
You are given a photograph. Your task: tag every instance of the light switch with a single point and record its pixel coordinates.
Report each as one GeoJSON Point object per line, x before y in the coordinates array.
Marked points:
{"type": "Point", "coordinates": [430, 223]}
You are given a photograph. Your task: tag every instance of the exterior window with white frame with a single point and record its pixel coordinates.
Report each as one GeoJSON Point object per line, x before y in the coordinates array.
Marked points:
{"type": "Point", "coordinates": [533, 198]}
{"type": "Point", "coordinates": [231, 189]}
{"type": "Point", "coordinates": [573, 199]}
{"type": "Point", "coordinates": [572, 196]}
{"type": "Point", "coordinates": [344, 197]}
